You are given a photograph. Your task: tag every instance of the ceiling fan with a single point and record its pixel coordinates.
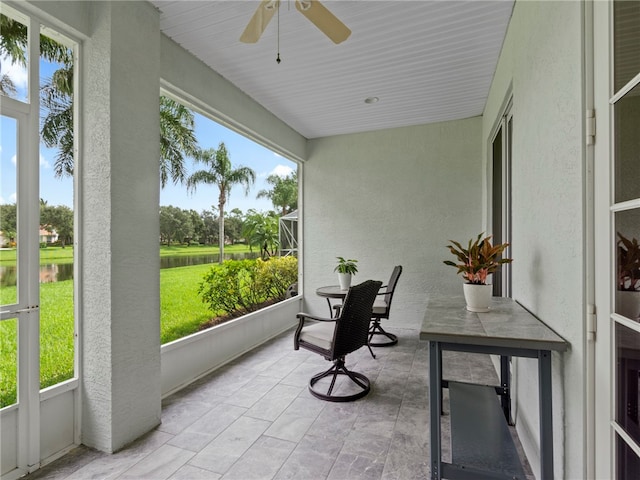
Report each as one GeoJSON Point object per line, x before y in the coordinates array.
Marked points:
{"type": "Point", "coordinates": [317, 13]}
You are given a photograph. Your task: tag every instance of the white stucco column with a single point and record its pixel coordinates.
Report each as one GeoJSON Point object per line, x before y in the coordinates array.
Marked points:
{"type": "Point", "coordinates": [119, 225]}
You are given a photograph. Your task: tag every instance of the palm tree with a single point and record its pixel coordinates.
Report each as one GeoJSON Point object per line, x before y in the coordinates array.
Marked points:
{"type": "Point", "coordinates": [7, 87]}
{"type": "Point", "coordinates": [284, 194]}
{"type": "Point", "coordinates": [56, 129]}
{"type": "Point", "coordinates": [177, 139]}
{"type": "Point", "coordinates": [221, 173]}
{"type": "Point", "coordinates": [262, 229]}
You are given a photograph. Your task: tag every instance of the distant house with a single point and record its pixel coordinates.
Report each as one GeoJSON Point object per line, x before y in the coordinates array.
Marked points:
{"type": "Point", "coordinates": [48, 236]}
{"type": "Point", "coordinates": [6, 240]}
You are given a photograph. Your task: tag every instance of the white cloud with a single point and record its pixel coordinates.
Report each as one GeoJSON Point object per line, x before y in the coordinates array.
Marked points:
{"type": "Point", "coordinates": [12, 199]}
{"type": "Point", "coordinates": [15, 71]}
{"type": "Point", "coordinates": [44, 163]}
{"type": "Point", "coordinates": [282, 171]}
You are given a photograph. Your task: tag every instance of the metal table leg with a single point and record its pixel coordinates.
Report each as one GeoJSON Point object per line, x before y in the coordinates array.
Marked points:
{"type": "Point", "coordinates": [435, 406]}
{"type": "Point", "coordinates": [505, 383]}
{"type": "Point", "coordinates": [546, 414]}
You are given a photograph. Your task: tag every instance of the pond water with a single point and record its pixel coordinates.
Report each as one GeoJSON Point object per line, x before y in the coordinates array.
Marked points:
{"type": "Point", "coordinates": [59, 272]}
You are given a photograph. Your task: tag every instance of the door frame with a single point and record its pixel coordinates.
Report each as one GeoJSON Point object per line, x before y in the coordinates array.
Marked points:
{"type": "Point", "coordinates": [37, 409]}
{"type": "Point", "coordinates": [26, 310]}
{"type": "Point", "coordinates": [601, 409]}
{"type": "Point", "coordinates": [503, 126]}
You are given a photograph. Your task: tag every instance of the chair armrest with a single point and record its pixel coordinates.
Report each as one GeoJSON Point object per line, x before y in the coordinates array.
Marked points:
{"type": "Point", "coordinates": [301, 319]}
{"type": "Point", "coordinates": [301, 316]}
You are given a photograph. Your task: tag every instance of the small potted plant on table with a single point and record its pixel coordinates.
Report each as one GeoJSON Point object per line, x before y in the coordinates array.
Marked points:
{"type": "Point", "coordinates": [346, 268]}
{"type": "Point", "coordinates": [476, 262]}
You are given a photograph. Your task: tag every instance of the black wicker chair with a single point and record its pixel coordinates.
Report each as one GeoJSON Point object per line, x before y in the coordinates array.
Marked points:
{"type": "Point", "coordinates": [334, 338]}
{"type": "Point", "coordinates": [381, 309]}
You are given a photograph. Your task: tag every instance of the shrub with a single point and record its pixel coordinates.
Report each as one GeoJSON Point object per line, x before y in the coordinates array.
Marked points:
{"type": "Point", "coordinates": [275, 275]}
{"type": "Point", "coordinates": [229, 287]}
{"type": "Point", "coordinates": [245, 285]}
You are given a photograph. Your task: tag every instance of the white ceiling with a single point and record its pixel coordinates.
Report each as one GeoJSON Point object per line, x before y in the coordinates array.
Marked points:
{"type": "Point", "coordinates": [427, 61]}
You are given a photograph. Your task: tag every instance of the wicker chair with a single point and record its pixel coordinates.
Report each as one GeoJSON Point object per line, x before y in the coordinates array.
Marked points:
{"type": "Point", "coordinates": [334, 338]}
{"type": "Point", "coordinates": [381, 309]}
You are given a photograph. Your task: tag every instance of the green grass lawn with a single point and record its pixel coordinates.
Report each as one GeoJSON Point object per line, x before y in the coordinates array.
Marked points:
{"type": "Point", "coordinates": [56, 339]}
{"type": "Point", "coordinates": [182, 313]}
{"type": "Point", "coordinates": [181, 308]}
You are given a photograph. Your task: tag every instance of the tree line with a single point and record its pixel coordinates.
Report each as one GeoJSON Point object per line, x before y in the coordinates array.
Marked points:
{"type": "Point", "coordinates": [177, 226]}
{"type": "Point", "coordinates": [256, 229]}
{"type": "Point", "coordinates": [53, 219]}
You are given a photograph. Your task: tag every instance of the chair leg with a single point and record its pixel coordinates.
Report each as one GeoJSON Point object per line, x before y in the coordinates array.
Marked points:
{"type": "Point", "coordinates": [370, 350]}
{"type": "Point", "coordinates": [339, 368]}
{"type": "Point", "coordinates": [376, 329]}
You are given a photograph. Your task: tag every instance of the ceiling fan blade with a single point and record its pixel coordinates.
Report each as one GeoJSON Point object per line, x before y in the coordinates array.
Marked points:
{"type": "Point", "coordinates": [322, 18]}
{"type": "Point", "coordinates": [259, 21]}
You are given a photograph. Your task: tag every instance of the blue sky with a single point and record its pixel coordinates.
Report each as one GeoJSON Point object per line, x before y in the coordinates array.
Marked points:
{"type": "Point", "coordinates": [209, 134]}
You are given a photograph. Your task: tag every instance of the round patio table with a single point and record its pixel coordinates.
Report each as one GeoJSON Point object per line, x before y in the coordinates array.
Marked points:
{"type": "Point", "coordinates": [329, 292]}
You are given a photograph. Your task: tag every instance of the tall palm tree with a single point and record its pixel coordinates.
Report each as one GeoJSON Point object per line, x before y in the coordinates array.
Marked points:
{"type": "Point", "coordinates": [56, 128]}
{"type": "Point", "coordinates": [177, 138]}
{"type": "Point", "coordinates": [221, 173]}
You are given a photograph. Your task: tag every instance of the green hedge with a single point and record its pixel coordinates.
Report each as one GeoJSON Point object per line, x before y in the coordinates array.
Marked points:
{"type": "Point", "coordinates": [243, 286]}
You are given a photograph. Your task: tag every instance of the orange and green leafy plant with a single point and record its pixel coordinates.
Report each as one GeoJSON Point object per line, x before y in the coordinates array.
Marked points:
{"type": "Point", "coordinates": [479, 260]}
{"type": "Point", "coordinates": [628, 264]}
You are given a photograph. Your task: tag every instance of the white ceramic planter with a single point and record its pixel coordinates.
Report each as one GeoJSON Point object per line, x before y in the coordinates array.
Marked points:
{"type": "Point", "coordinates": [628, 304]}
{"type": "Point", "coordinates": [478, 297]}
{"type": "Point", "coordinates": [345, 280]}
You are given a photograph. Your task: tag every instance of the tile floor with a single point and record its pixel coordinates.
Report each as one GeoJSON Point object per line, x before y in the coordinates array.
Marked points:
{"type": "Point", "coordinates": [255, 419]}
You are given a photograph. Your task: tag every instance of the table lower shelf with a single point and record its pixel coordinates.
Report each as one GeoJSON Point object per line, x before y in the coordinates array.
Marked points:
{"type": "Point", "coordinates": [481, 443]}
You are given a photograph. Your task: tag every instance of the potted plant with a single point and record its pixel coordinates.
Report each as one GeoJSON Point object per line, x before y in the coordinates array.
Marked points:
{"type": "Point", "coordinates": [346, 268]}
{"type": "Point", "coordinates": [628, 288]}
{"type": "Point", "coordinates": [476, 262]}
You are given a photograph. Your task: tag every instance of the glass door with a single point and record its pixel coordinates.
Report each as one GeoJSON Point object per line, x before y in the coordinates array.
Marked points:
{"type": "Point", "coordinates": [625, 213]}
{"type": "Point", "coordinates": [38, 361]}
{"type": "Point", "coordinates": [501, 197]}
{"type": "Point", "coordinates": [19, 296]}
{"type": "Point", "coordinates": [619, 343]}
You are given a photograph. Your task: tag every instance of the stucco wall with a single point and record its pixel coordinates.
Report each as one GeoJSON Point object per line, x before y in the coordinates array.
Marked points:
{"type": "Point", "coordinates": [541, 62]}
{"type": "Point", "coordinates": [119, 196]}
{"type": "Point", "coordinates": [392, 197]}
